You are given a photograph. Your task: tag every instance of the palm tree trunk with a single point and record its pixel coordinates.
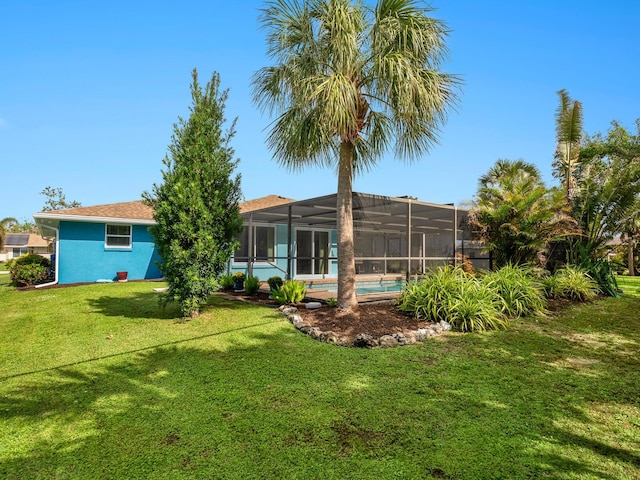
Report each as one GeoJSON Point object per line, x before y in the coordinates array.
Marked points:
{"type": "Point", "coordinates": [347, 299]}
{"type": "Point", "coordinates": [630, 248]}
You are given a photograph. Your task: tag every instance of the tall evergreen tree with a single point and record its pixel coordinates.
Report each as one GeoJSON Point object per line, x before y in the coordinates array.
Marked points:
{"type": "Point", "coordinates": [196, 206]}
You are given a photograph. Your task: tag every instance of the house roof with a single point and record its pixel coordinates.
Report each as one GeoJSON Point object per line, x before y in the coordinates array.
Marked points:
{"type": "Point", "coordinates": [135, 212]}
{"type": "Point", "coordinates": [128, 210]}
{"type": "Point", "coordinates": [264, 202]}
{"type": "Point", "coordinates": [25, 240]}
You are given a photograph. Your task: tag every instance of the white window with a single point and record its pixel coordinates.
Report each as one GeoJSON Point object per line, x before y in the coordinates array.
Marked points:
{"type": "Point", "coordinates": [264, 245]}
{"type": "Point", "coordinates": [118, 236]}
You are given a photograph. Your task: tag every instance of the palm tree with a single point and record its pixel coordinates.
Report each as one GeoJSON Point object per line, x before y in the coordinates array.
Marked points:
{"type": "Point", "coordinates": [349, 82]}
{"type": "Point", "coordinates": [5, 224]}
{"type": "Point", "coordinates": [516, 215]}
{"type": "Point", "coordinates": [569, 135]}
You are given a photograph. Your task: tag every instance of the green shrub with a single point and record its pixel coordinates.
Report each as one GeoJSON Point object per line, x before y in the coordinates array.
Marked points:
{"type": "Point", "coordinates": [251, 285]}
{"type": "Point", "coordinates": [290, 292]}
{"type": "Point", "coordinates": [275, 282]}
{"type": "Point", "coordinates": [452, 295]}
{"type": "Point", "coordinates": [226, 281]}
{"type": "Point", "coordinates": [428, 298]}
{"type": "Point", "coordinates": [476, 308]}
{"type": "Point", "coordinates": [602, 273]}
{"type": "Point", "coordinates": [29, 269]}
{"type": "Point", "coordinates": [332, 302]}
{"type": "Point", "coordinates": [570, 282]}
{"type": "Point", "coordinates": [519, 290]}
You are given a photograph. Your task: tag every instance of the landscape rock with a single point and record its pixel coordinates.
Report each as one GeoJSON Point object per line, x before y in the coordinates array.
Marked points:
{"type": "Point", "coordinates": [388, 341]}
{"type": "Point", "coordinates": [364, 340]}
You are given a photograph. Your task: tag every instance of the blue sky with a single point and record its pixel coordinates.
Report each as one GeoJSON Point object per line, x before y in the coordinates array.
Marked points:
{"type": "Point", "coordinates": [89, 93]}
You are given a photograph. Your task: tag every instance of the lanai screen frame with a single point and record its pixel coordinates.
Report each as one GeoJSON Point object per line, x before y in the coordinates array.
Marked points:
{"type": "Point", "coordinates": [400, 217]}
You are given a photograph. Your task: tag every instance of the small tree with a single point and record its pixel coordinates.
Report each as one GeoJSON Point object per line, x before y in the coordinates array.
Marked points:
{"type": "Point", "coordinates": [56, 200]}
{"type": "Point", "coordinates": [196, 206]}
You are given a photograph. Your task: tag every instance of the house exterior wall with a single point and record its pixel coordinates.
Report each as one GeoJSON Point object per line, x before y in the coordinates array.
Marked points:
{"type": "Point", "coordinates": [83, 257]}
{"type": "Point", "coordinates": [265, 270]}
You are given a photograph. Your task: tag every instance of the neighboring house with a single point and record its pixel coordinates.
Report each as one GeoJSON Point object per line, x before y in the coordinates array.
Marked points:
{"type": "Point", "coordinates": [17, 244]}
{"type": "Point", "coordinates": [291, 239]}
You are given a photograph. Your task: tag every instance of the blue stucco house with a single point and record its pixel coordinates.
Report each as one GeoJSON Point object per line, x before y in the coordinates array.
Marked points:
{"type": "Point", "coordinates": [394, 236]}
{"type": "Point", "coordinates": [94, 243]}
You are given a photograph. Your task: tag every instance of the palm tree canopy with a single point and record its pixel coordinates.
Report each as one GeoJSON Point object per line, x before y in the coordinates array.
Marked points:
{"type": "Point", "coordinates": [346, 73]}
{"type": "Point", "coordinates": [568, 135]}
{"type": "Point", "coordinates": [5, 224]}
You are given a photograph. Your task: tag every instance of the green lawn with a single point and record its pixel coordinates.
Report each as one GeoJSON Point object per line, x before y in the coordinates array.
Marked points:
{"type": "Point", "coordinates": [98, 382]}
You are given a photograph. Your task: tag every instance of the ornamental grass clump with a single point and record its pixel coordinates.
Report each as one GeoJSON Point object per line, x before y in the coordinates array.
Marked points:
{"type": "Point", "coordinates": [519, 290]}
{"type": "Point", "coordinates": [572, 283]}
{"type": "Point", "coordinates": [454, 296]}
{"type": "Point", "coordinates": [429, 298]}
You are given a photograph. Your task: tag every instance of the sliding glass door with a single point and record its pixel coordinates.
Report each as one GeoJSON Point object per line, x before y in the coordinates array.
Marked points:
{"type": "Point", "coordinates": [312, 252]}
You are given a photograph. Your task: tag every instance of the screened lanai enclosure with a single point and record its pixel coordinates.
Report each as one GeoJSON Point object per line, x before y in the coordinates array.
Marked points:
{"type": "Point", "coordinates": [393, 236]}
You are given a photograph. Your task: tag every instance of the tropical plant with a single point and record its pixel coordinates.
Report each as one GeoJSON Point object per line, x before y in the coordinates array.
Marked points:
{"type": "Point", "coordinates": [348, 82]}
{"type": "Point", "coordinates": [518, 289]}
{"type": "Point", "coordinates": [5, 225]}
{"type": "Point", "coordinates": [291, 291]}
{"type": "Point", "coordinates": [569, 135]}
{"type": "Point", "coordinates": [454, 296]}
{"type": "Point", "coordinates": [476, 309]}
{"type": "Point", "coordinates": [515, 215]}
{"type": "Point", "coordinates": [196, 207]}
{"type": "Point", "coordinates": [251, 285]}
{"type": "Point", "coordinates": [332, 302]}
{"type": "Point", "coordinates": [274, 282]}
{"type": "Point", "coordinates": [607, 188]}
{"type": "Point", "coordinates": [570, 282]}
{"type": "Point", "coordinates": [429, 298]}
{"type": "Point", "coordinates": [226, 281]}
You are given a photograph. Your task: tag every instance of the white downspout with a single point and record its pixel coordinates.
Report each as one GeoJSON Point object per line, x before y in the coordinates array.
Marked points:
{"type": "Point", "coordinates": [57, 250]}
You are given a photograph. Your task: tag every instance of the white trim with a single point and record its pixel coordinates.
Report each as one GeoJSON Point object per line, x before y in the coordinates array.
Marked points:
{"type": "Point", "coordinates": [92, 219]}
{"type": "Point", "coordinates": [57, 253]}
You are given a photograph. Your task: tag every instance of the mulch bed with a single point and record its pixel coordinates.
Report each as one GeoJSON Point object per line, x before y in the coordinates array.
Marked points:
{"type": "Point", "coordinates": [375, 319]}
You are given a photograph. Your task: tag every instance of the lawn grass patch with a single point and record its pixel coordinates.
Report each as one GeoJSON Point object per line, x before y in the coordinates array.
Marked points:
{"type": "Point", "coordinates": [240, 394]}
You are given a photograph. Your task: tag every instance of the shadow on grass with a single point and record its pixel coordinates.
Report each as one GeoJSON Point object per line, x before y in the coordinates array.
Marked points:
{"type": "Point", "coordinates": [271, 403]}
{"type": "Point", "coordinates": [149, 305]}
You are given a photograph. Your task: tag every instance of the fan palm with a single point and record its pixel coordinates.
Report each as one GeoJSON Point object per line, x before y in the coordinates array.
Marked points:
{"type": "Point", "coordinates": [348, 83]}
{"type": "Point", "coordinates": [5, 224]}
{"type": "Point", "coordinates": [515, 214]}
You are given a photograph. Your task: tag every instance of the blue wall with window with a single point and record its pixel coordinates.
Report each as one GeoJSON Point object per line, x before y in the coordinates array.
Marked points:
{"type": "Point", "coordinates": [85, 257]}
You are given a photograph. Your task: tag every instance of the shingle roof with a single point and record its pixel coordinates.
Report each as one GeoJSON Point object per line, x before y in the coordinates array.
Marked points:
{"type": "Point", "coordinates": [137, 210]}
{"type": "Point", "coordinates": [134, 210]}
{"type": "Point", "coordinates": [263, 202]}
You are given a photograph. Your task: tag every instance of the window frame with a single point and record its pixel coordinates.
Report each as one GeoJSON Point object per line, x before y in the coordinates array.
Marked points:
{"type": "Point", "coordinates": [108, 235]}
{"type": "Point", "coordinates": [245, 260]}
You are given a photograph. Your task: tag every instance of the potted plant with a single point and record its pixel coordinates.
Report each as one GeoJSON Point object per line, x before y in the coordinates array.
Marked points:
{"type": "Point", "coordinates": [238, 281]}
